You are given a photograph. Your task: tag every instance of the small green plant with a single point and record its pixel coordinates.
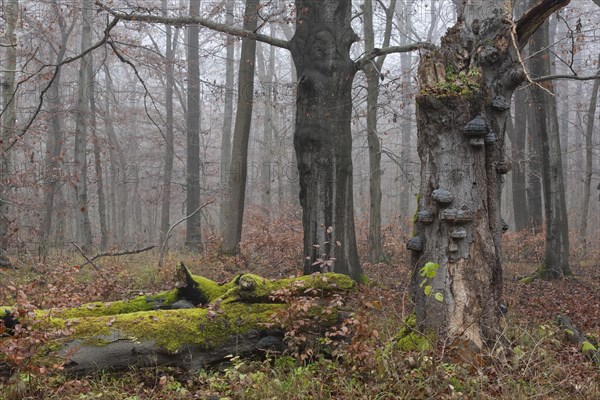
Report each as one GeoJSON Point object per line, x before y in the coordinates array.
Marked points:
{"type": "Point", "coordinates": [429, 271]}
{"type": "Point", "coordinates": [463, 83]}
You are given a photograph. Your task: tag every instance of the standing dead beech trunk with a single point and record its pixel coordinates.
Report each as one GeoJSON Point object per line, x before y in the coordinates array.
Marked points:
{"type": "Point", "coordinates": [462, 107]}
{"type": "Point", "coordinates": [323, 140]}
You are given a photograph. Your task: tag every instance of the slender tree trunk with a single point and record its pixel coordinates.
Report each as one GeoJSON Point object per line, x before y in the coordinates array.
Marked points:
{"type": "Point", "coordinates": [519, 188]}
{"type": "Point", "coordinates": [241, 135]}
{"type": "Point", "coordinates": [406, 125]}
{"type": "Point", "coordinates": [8, 121]}
{"type": "Point", "coordinates": [193, 239]}
{"type": "Point", "coordinates": [373, 72]}
{"type": "Point", "coordinates": [118, 170]}
{"type": "Point", "coordinates": [556, 258]}
{"type": "Point", "coordinates": [169, 136]}
{"type": "Point", "coordinates": [323, 139]}
{"type": "Point", "coordinates": [97, 158]}
{"type": "Point", "coordinates": [461, 135]}
{"type": "Point", "coordinates": [266, 74]}
{"type": "Point", "coordinates": [53, 156]}
{"type": "Point", "coordinates": [587, 184]}
{"type": "Point", "coordinates": [227, 120]}
{"type": "Point", "coordinates": [534, 181]}
{"type": "Point", "coordinates": [82, 219]}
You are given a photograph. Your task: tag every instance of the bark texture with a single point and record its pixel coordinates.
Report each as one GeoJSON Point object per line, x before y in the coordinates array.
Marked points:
{"type": "Point", "coordinates": [322, 138]}
{"type": "Point", "coordinates": [464, 87]}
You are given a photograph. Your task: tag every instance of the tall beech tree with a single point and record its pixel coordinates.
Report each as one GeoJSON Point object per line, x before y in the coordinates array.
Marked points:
{"type": "Point", "coordinates": [465, 92]}
{"type": "Point", "coordinates": [320, 49]}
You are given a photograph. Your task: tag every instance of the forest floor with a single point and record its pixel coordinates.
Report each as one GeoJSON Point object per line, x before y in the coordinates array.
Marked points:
{"type": "Point", "coordinates": [534, 361]}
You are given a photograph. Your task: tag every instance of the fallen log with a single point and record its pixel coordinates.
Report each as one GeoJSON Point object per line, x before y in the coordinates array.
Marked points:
{"type": "Point", "coordinates": [198, 323]}
{"type": "Point", "coordinates": [579, 339]}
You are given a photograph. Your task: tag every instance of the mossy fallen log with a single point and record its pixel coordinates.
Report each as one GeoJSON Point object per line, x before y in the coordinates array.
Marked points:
{"type": "Point", "coordinates": [589, 349]}
{"type": "Point", "coordinates": [198, 323]}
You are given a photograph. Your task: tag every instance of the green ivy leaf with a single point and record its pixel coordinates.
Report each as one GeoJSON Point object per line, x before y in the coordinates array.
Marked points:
{"type": "Point", "coordinates": [427, 290]}
{"type": "Point", "coordinates": [439, 297]}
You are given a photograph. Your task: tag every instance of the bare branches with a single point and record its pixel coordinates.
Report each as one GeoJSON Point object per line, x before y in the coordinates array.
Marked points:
{"type": "Point", "coordinates": [57, 68]}
{"type": "Point", "coordinates": [116, 254]}
{"type": "Point", "coordinates": [102, 274]}
{"type": "Point", "coordinates": [361, 62]}
{"type": "Point", "coordinates": [536, 16]}
{"type": "Point", "coordinates": [566, 76]}
{"type": "Point", "coordinates": [168, 234]}
{"type": "Point", "coordinates": [194, 20]}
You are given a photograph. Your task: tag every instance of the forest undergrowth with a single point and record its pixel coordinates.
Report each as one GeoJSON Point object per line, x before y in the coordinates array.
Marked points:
{"type": "Point", "coordinates": [362, 358]}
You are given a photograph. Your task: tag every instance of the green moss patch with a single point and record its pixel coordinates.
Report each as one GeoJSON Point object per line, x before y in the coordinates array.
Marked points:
{"type": "Point", "coordinates": [172, 329]}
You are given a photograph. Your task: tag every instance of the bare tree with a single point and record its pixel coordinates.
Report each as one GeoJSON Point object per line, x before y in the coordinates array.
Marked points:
{"type": "Point", "coordinates": [587, 184]}
{"type": "Point", "coordinates": [82, 219]}
{"type": "Point", "coordinates": [238, 166]}
{"type": "Point", "coordinates": [97, 157]}
{"type": "Point", "coordinates": [8, 120]}
{"type": "Point", "coordinates": [54, 146]}
{"type": "Point", "coordinates": [165, 220]}
{"type": "Point", "coordinates": [373, 73]}
{"type": "Point", "coordinates": [193, 238]}
{"type": "Point", "coordinates": [556, 255]}
{"type": "Point", "coordinates": [227, 117]}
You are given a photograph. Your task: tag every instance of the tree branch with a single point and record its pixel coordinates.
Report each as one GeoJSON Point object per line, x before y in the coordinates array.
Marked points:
{"type": "Point", "coordinates": [57, 68]}
{"type": "Point", "coordinates": [119, 253]}
{"type": "Point", "coordinates": [572, 77]}
{"type": "Point", "coordinates": [195, 20]}
{"type": "Point", "coordinates": [536, 16]}
{"type": "Point", "coordinates": [168, 234]}
{"type": "Point", "coordinates": [361, 62]}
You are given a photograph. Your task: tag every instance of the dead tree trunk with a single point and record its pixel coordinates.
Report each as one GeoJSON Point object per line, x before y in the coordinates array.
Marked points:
{"type": "Point", "coordinates": [465, 91]}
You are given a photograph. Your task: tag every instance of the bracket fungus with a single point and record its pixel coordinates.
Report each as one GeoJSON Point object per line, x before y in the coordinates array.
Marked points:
{"type": "Point", "coordinates": [424, 217]}
{"type": "Point", "coordinates": [415, 244]}
{"type": "Point", "coordinates": [442, 196]}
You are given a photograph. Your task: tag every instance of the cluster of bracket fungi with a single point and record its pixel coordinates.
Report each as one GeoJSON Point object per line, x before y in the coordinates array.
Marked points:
{"type": "Point", "coordinates": [479, 134]}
